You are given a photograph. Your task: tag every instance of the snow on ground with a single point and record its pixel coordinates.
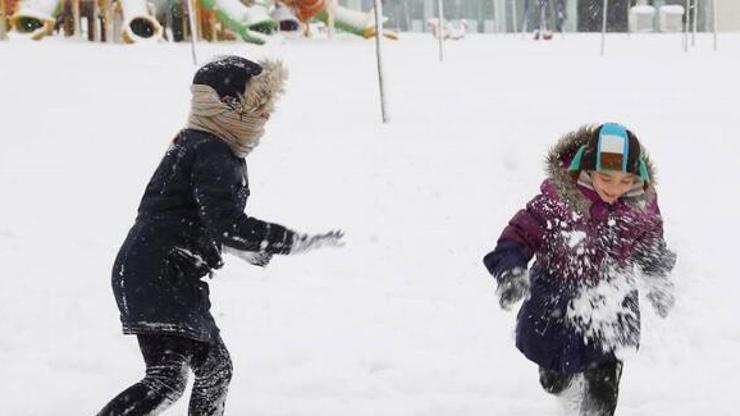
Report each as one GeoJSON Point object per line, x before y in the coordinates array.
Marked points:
{"type": "Point", "coordinates": [403, 320]}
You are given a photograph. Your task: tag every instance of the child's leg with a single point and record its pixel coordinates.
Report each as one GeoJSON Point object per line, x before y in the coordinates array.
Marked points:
{"type": "Point", "coordinates": [166, 359]}
{"type": "Point", "coordinates": [213, 369]}
{"type": "Point", "coordinates": [602, 389]}
{"type": "Point", "coordinates": [554, 382]}
{"type": "Point", "coordinates": [567, 388]}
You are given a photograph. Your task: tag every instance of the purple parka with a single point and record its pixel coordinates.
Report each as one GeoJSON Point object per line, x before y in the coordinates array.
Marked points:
{"type": "Point", "coordinates": [580, 242]}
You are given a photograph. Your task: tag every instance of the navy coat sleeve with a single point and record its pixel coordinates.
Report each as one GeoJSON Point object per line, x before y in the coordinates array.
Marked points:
{"type": "Point", "coordinates": [507, 256]}
{"type": "Point", "coordinates": [217, 177]}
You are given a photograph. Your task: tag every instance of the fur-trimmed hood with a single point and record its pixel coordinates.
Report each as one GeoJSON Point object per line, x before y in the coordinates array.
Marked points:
{"type": "Point", "coordinates": [264, 89]}
{"type": "Point", "coordinates": [233, 105]}
{"type": "Point", "coordinates": [558, 161]}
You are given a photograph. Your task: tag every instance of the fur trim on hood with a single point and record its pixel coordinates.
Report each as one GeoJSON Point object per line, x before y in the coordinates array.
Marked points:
{"type": "Point", "coordinates": [264, 89]}
{"type": "Point", "coordinates": [559, 158]}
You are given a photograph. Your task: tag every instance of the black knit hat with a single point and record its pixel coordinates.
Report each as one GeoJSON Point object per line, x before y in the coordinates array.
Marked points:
{"type": "Point", "coordinates": [227, 75]}
{"type": "Point", "coordinates": [611, 147]}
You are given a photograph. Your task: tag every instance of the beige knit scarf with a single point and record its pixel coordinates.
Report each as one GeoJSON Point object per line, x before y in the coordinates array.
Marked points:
{"type": "Point", "coordinates": [230, 122]}
{"type": "Point", "coordinates": [240, 122]}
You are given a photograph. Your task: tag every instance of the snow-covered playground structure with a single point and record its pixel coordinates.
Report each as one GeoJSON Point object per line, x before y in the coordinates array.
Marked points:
{"type": "Point", "coordinates": [134, 21]}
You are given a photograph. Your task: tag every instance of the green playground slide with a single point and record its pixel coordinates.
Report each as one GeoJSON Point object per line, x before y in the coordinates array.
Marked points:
{"type": "Point", "coordinates": [250, 22]}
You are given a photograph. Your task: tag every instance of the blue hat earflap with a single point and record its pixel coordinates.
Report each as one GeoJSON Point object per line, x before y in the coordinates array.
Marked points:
{"type": "Point", "coordinates": [575, 164]}
{"type": "Point", "coordinates": [644, 172]}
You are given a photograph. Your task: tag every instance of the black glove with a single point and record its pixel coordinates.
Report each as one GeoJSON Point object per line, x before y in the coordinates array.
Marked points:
{"type": "Point", "coordinates": [660, 294]}
{"type": "Point", "coordinates": [188, 262]}
{"type": "Point", "coordinates": [256, 258]}
{"type": "Point", "coordinates": [305, 242]}
{"type": "Point", "coordinates": [513, 286]}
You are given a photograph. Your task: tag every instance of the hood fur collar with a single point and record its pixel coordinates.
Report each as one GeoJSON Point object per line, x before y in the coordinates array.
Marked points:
{"type": "Point", "coordinates": [557, 163]}
{"type": "Point", "coordinates": [264, 89]}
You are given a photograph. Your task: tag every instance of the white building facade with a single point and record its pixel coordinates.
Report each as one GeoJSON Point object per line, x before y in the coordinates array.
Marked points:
{"type": "Point", "coordinates": [509, 15]}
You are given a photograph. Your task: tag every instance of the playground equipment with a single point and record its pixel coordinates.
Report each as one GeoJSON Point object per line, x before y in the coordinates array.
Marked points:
{"type": "Point", "coordinates": [329, 12]}
{"type": "Point", "coordinates": [36, 18]}
{"type": "Point", "coordinates": [138, 24]}
{"type": "Point", "coordinates": [285, 18]}
{"type": "Point", "coordinates": [249, 22]}
{"type": "Point", "coordinates": [453, 29]}
{"type": "Point", "coordinates": [670, 18]}
{"type": "Point", "coordinates": [135, 21]}
{"type": "Point", "coordinates": [642, 18]}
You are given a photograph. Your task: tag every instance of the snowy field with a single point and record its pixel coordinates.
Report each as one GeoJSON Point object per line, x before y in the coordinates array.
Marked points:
{"type": "Point", "coordinates": [402, 321]}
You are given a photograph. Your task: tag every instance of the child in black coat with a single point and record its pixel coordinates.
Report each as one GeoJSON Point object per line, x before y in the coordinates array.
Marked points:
{"type": "Point", "coordinates": [193, 211]}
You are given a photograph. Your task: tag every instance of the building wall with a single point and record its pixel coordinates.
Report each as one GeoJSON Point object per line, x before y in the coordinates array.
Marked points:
{"type": "Point", "coordinates": [498, 15]}
{"type": "Point", "coordinates": [728, 15]}
{"type": "Point", "coordinates": [591, 15]}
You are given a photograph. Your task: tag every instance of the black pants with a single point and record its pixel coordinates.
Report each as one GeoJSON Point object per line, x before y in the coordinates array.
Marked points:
{"type": "Point", "coordinates": [601, 388]}
{"type": "Point", "coordinates": [167, 361]}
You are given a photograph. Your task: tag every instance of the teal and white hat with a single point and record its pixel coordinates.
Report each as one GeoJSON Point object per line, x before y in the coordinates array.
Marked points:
{"type": "Point", "coordinates": [611, 148]}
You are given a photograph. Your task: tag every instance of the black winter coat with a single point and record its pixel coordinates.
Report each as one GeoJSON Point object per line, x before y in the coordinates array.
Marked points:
{"type": "Point", "coordinates": [194, 204]}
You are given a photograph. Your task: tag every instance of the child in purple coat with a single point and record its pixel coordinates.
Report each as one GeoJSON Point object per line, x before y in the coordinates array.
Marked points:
{"type": "Point", "coordinates": [596, 234]}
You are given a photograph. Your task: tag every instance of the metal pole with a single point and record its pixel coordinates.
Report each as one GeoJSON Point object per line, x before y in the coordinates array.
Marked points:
{"type": "Point", "coordinates": [693, 32]}
{"type": "Point", "coordinates": [3, 29]}
{"type": "Point", "coordinates": [193, 32]}
{"type": "Point", "coordinates": [714, 22]}
{"type": "Point", "coordinates": [93, 33]}
{"type": "Point", "coordinates": [558, 10]}
{"type": "Point", "coordinates": [687, 14]}
{"type": "Point", "coordinates": [440, 30]}
{"type": "Point", "coordinates": [629, 29]}
{"type": "Point", "coordinates": [495, 16]}
{"type": "Point", "coordinates": [110, 13]}
{"type": "Point", "coordinates": [379, 56]}
{"type": "Point", "coordinates": [513, 16]}
{"type": "Point", "coordinates": [330, 11]}
{"type": "Point", "coordinates": [603, 28]}
{"type": "Point", "coordinates": [496, 29]}
{"type": "Point", "coordinates": [76, 17]}
{"type": "Point", "coordinates": [543, 17]}
{"type": "Point", "coordinates": [525, 17]}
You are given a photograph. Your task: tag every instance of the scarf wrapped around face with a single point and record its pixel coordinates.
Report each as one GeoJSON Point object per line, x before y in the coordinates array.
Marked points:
{"type": "Point", "coordinates": [238, 121]}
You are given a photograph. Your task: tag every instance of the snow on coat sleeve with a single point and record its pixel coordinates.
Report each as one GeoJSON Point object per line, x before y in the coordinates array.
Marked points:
{"type": "Point", "coordinates": [517, 244]}
{"type": "Point", "coordinates": [651, 251]}
{"type": "Point", "coordinates": [216, 178]}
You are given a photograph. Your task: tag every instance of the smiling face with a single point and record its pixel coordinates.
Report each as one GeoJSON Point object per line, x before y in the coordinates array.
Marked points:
{"type": "Point", "coordinates": [611, 185]}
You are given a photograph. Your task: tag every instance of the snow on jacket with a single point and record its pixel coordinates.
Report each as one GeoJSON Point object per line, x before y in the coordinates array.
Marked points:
{"type": "Point", "coordinates": [192, 207]}
{"type": "Point", "coordinates": [583, 304]}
